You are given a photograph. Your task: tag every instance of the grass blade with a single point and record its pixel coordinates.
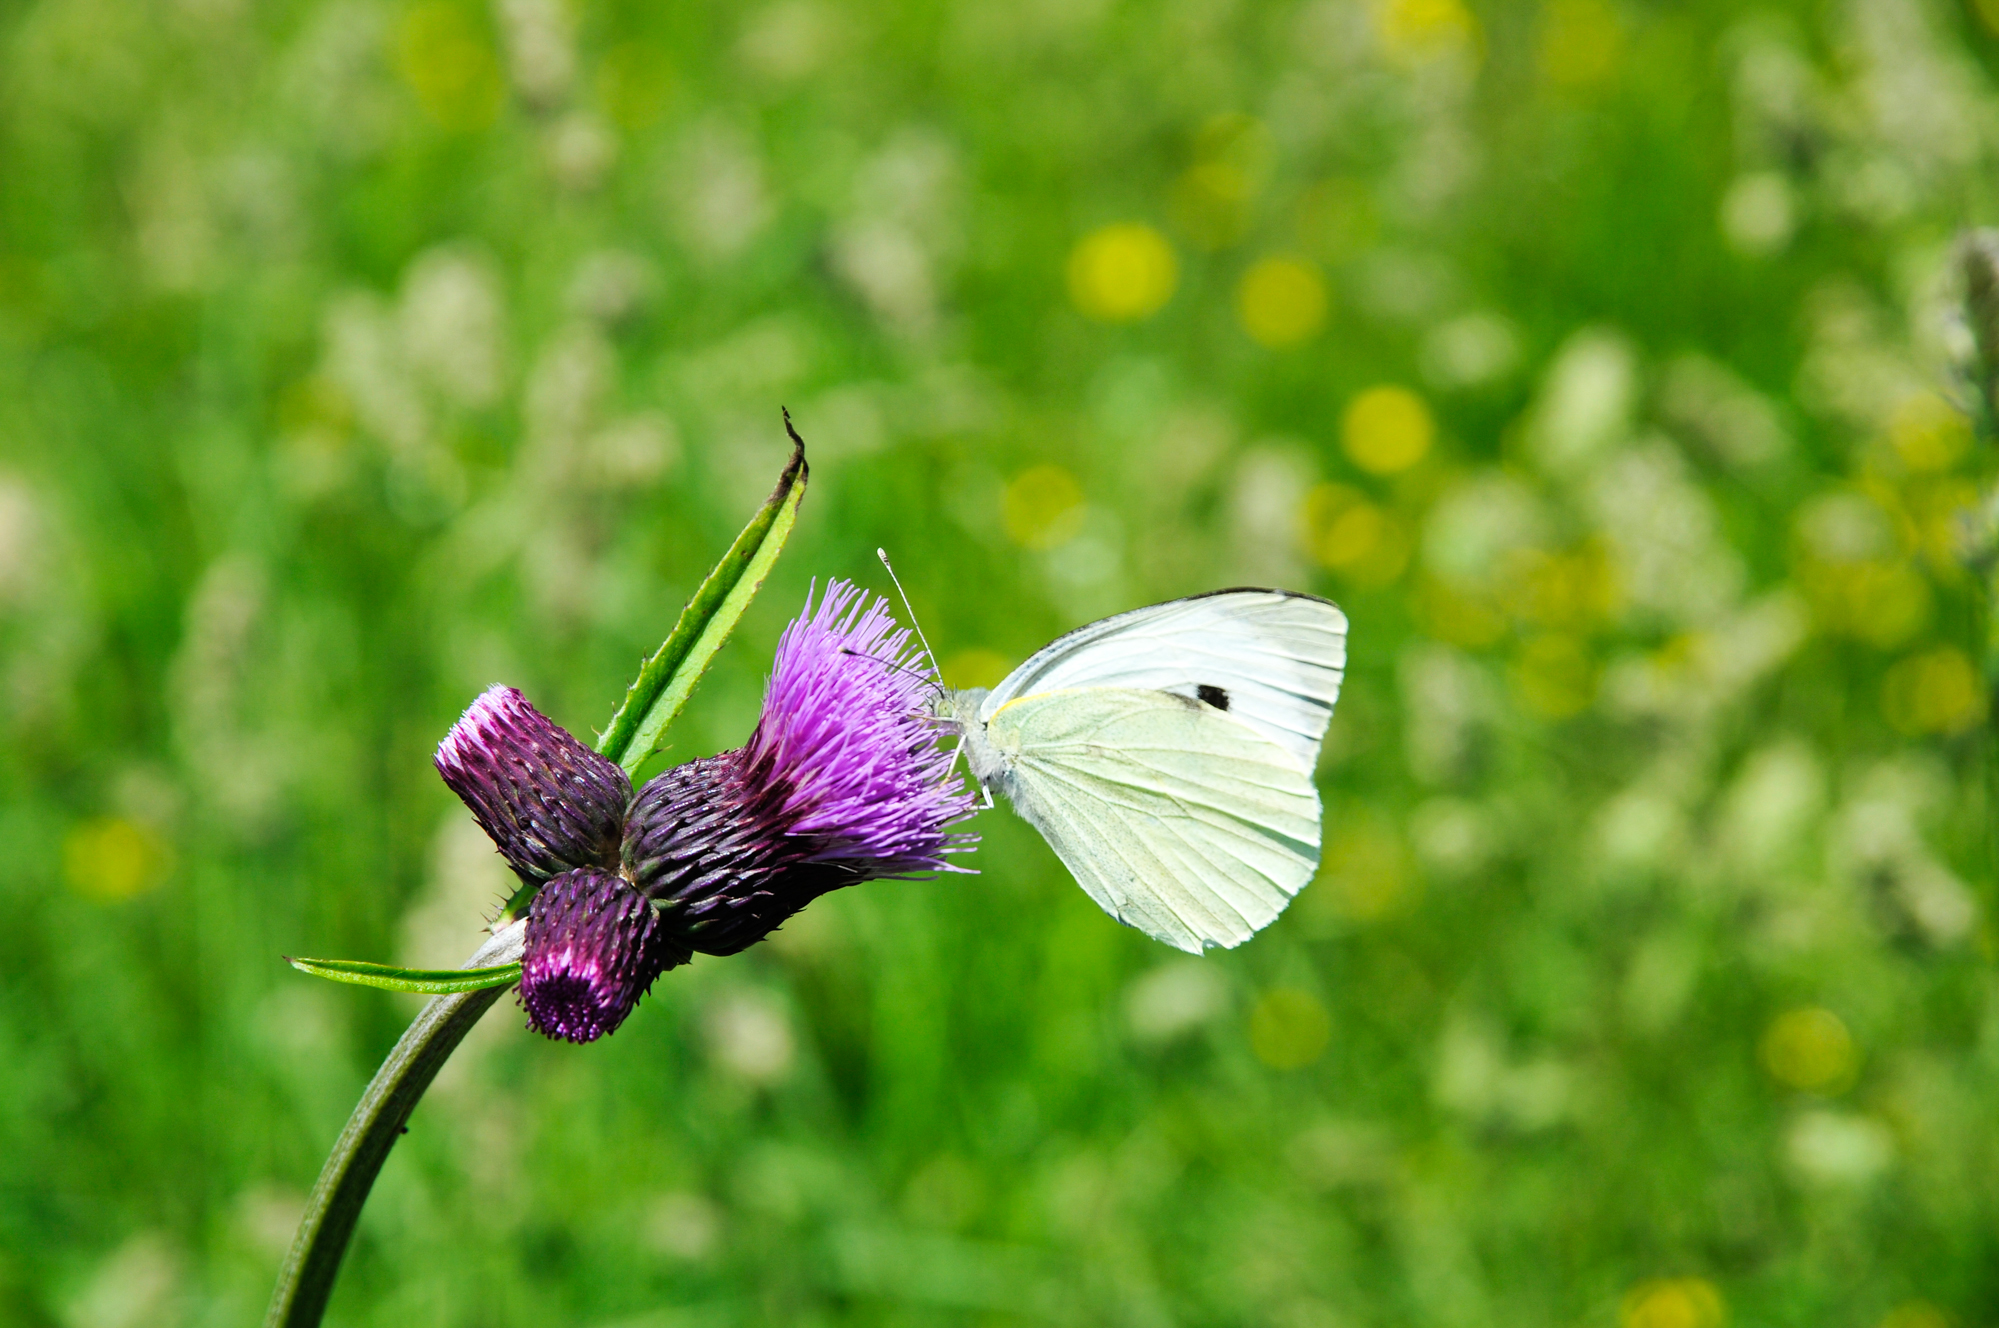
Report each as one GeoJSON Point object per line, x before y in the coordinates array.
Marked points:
{"type": "Point", "coordinates": [665, 681]}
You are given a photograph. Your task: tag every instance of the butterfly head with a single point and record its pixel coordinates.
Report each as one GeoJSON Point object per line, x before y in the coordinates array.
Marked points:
{"type": "Point", "coordinates": [959, 708]}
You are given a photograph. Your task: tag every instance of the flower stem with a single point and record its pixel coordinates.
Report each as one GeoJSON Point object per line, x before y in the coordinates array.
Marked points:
{"type": "Point", "coordinates": [306, 1281]}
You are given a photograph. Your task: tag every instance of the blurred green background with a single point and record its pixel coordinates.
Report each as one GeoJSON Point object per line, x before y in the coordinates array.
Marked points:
{"type": "Point", "coordinates": [1595, 354]}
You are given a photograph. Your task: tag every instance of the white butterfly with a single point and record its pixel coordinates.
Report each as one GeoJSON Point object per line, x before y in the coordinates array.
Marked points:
{"type": "Point", "coordinates": [1166, 755]}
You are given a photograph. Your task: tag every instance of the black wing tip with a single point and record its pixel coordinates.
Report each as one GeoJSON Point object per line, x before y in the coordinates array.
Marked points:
{"type": "Point", "coordinates": [1258, 590]}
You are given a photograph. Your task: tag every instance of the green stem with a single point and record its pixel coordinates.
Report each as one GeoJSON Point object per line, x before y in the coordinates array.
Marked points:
{"type": "Point", "coordinates": [306, 1281]}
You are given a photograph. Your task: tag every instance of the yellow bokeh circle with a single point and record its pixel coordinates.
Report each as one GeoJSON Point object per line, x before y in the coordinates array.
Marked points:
{"type": "Point", "coordinates": [1416, 30]}
{"type": "Point", "coordinates": [449, 63]}
{"type": "Point", "coordinates": [109, 858]}
{"type": "Point", "coordinates": [1282, 301]}
{"type": "Point", "coordinates": [1810, 1049]}
{"type": "Point", "coordinates": [1347, 533]}
{"type": "Point", "coordinates": [1928, 433]}
{"type": "Point", "coordinates": [1580, 42]}
{"type": "Point", "coordinates": [1122, 273]}
{"type": "Point", "coordinates": [1673, 1302]}
{"type": "Point", "coordinates": [1387, 429]}
{"type": "Point", "coordinates": [1937, 691]}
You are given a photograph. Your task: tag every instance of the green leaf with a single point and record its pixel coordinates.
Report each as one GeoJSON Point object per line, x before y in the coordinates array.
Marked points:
{"type": "Point", "coordinates": [427, 981]}
{"type": "Point", "coordinates": [665, 681]}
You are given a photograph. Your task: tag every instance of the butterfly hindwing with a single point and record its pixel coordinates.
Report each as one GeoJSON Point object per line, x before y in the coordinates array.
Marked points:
{"type": "Point", "coordinates": [1175, 816]}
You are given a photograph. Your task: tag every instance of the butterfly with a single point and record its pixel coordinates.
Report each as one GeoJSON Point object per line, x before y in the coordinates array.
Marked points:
{"type": "Point", "coordinates": [1166, 755]}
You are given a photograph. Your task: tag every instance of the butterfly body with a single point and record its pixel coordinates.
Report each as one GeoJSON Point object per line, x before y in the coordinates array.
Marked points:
{"type": "Point", "coordinates": [1166, 755]}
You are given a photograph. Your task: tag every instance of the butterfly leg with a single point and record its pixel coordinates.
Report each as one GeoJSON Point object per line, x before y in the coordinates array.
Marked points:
{"type": "Point", "coordinates": [985, 794]}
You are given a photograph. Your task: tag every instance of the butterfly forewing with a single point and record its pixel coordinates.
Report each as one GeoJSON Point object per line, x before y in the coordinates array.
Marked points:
{"type": "Point", "coordinates": [1176, 817]}
{"type": "Point", "coordinates": [1272, 659]}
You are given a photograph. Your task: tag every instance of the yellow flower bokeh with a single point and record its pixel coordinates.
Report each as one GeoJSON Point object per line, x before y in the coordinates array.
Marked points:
{"type": "Point", "coordinates": [1581, 42]}
{"type": "Point", "coordinates": [1935, 691]}
{"type": "Point", "coordinates": [1673, 1302]}
{"type": "Point", "coordinates": [449, 63]}
{"type": "Point", "coordinates": [1349, 534]}
{"type": "Point", "coordinates": [1810, 1049]}
{"type": "Point", "coordinates": [109, 859]}
{"type": "Point", "coordinates": [1387, 429]}
{"type": "Point", "coordinates": [1282, 301]}
{"type": "Point", "coordinates": [1575, 589]}
{"type": "Point", "coordinates": [1122, 273]}
{"type": "Point", "coordinates": [1928, 433]}
{"type": "Point", "coordinates": [1416, 30]}
{"type": "Point", "coordinates": [1211, 201]}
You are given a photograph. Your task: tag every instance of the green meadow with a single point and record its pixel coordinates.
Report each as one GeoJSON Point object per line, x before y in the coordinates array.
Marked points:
{"type": "Point", "coordinates": [1602, 358]}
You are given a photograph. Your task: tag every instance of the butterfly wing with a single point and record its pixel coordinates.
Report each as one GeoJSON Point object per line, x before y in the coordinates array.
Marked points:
{"type": "Point", "coordinates": [1178, 819]}
{"type": "Point", "coordinates": [1273, 659]}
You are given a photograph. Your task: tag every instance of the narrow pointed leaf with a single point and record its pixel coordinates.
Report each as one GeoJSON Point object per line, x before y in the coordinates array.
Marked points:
{"type": "Point", "coordinates": [665, 681]}
{"type": "Point", "coordinates": [425, 981]}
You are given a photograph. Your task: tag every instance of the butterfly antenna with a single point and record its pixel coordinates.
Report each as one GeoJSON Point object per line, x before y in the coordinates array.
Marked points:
{"type": "Point", "coordinates": [883, 555]}
{"type": "Point", "coordinates": [926, 679]}
{"type": "Point", "coordinates": [959, 749]}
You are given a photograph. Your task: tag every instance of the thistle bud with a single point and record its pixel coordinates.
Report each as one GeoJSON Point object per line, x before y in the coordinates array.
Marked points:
{"type": "Point", "coordinates": [549, 803]}
{"type": "Point", "coordinates": [593, 947]}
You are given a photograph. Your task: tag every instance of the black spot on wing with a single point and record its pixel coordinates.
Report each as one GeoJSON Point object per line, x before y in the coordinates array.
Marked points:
{"type": "Point", "coordinates": [1213, 695]}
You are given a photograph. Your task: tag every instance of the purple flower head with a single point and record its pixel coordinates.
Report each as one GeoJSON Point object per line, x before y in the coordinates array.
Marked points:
{"type": "Point", "coordinates": [594, 946]}
{"type": "Point", "coordinates": [842, 782]}
{"type": "Point", "coordinates": [550, 803]}
{"type": "Point", "coordinates": [556, 811]}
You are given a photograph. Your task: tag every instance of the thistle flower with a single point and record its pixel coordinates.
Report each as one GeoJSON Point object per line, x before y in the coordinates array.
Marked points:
{"type": "Point", "coordinates": [842, 782]}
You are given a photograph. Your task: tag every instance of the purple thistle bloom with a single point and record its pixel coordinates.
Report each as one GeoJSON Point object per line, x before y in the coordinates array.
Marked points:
{"type": "Point", "coordinates": [549, 803]}
{"type": "Point", "coordinates": [843, 782]}
{"type": "Point", "coordinates": [594, 946]}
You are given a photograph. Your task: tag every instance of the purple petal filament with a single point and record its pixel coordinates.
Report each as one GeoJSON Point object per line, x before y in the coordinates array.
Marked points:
{"type": "Point", "coordinates": [846, 733]}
